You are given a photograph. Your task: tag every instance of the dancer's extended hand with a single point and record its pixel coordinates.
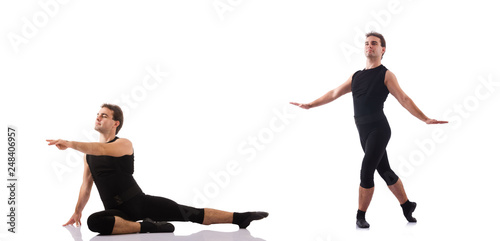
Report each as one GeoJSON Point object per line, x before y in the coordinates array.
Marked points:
{"type": "Point", "coordinates": [303, 106]}
{"type": "Point", "coordinates": [60, 144]}
{"type": "Point", "coordinates": [434, 121]}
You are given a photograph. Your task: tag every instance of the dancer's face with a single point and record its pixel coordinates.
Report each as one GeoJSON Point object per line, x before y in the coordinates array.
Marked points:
{"type": "Point", "coordinates": [104, 121]}
{"type": "Point", "coordinates": [373, 49]}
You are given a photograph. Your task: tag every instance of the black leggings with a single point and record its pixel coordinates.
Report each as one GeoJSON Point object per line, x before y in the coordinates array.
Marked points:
{"type": "Point", "coordinates": [144, 206]}
{"type": "Point", "coordinates": [374, 133]}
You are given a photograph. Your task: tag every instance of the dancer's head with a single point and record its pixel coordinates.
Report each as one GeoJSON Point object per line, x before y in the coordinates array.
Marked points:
{"type": "Point", "coordinates": [374, 45]}
{"type": "Point", "coordinates": [109, 117]}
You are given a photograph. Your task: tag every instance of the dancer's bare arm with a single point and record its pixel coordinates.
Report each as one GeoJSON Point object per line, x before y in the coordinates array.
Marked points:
{"type": "Point", "coordinates": [393, 86]}
{"type": "Point", "coordinates": [329, 96]}
{"type": "Point", "coordinates": [83, 197]}
{"type": "Point", "coordinates": [118, 148]}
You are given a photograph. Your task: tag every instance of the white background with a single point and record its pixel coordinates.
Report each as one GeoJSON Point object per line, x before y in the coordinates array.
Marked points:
{"type": "Point", "coordinates": [231, 74]}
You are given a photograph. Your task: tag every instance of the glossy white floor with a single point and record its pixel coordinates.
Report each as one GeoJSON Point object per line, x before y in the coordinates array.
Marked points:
{"type": "Point", "coordinates": [447, 223]}
{"type": "Point", "coordinates": [448, 208]}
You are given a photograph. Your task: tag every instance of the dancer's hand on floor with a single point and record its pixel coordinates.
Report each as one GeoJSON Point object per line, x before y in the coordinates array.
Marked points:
{"type": "Point", "coordinates": [75, 219]}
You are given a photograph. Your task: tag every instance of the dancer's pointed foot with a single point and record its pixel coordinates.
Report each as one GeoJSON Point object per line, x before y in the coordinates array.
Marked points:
{"type": "Point", "coordinates": [408, 208]}
{"type": "Point", "coordinates": [244, 219]}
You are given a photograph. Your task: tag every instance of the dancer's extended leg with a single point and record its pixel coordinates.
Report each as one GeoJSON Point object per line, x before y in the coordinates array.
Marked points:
{"type": "Point", "coordinates": [399, 191]}
{"type": "Point", "coordinates": [213, 216]}
{"type": "Point", "coordinates": [408, 207]}
{"type": "Point", "coordinates": [163, 209]}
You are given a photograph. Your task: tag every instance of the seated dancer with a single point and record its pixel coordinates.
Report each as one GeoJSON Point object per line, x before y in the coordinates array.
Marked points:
{"type": "Point", "coordinates": [110, 164]}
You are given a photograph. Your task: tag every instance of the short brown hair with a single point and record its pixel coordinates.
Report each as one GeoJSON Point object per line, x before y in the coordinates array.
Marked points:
{"type": "Point", "coordinates": [378, 35]}
{"type": "Point", "coordinates": [117, 114]}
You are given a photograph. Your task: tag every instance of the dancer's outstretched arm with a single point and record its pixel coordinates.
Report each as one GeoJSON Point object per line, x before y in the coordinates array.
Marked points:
{"type": "Point", "coordinates": [118, 148]}
{"type": "Point", "coordinates": [329, 96]}
{"type": "Point", "coordinates": [392, 85]}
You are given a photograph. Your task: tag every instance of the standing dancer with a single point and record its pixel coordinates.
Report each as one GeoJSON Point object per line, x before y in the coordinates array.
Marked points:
{"type": "Point", "coordinates": [370, 88]}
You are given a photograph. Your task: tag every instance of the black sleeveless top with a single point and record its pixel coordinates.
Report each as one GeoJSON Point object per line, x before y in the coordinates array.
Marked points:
{"type": "Point", "coordinates": [369, 91]}
{"type": "Point", "coordinates": [113, 178]}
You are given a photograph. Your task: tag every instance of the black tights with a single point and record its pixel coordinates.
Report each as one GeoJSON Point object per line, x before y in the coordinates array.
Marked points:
{"type": "Point", "coordinates": [374, 133]}
{"type": "Point", "coordinates": [144, 206]}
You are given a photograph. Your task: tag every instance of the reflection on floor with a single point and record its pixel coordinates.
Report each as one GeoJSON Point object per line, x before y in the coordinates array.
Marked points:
{"type": "Point", "coordinates": [240, 235]}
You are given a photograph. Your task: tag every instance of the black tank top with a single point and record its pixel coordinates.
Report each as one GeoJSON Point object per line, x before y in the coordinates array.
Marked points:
{"type": "Point", "coordinates": [369, 91]}
{"type": "Point", "coordinates": [113, 178]}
